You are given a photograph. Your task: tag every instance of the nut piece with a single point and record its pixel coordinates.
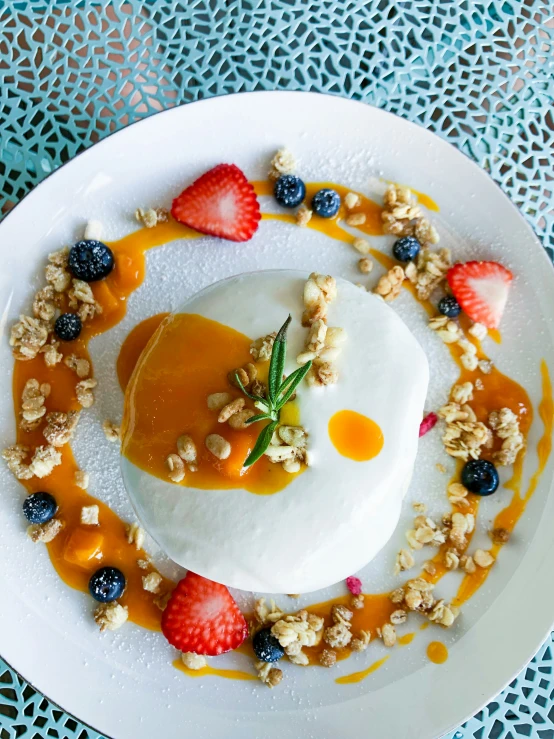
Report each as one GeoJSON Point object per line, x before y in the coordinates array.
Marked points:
{"type": "Point", "coordinates": [467, 564]}
{"type": "Point", "coordinates": [478, 330]}
{"type": "Point", "coordinates": [230, 409]}
{"type": "Point", "coordinates": [111, 616]}
{"type": "Point", "coordinates": [45, 532]}
{"type": "Point", "coordinates": [216, 401]}
{"type": "Point", "coordinates": [94, 230]}
{"type": "Point", "coordinates": [51, 354]}
{"type": "Point", "coordinates": [327, 658]}
{"type": "Point", "coordinates": [365, 265]}
{"type": "Point", "coordinates": [14, 456]}
{"type": "Point", "coordinates": [499, 536]}
{"type": "Point", "coordinates": [238, 420]}
{"type": "Point", "coordinates": [261, 349]}
{"type": "Point", "coordinates": [89, 515]}
{"type": "Point", "coordinates": [193, 661]}
{"type": "Point", "coordinates": [390, 285]}
{"type": "Point", "coordinates": [388, 634]}
{"type": "Point", "coordinates": [152, 582]}
{"type": "Point", "coordinates": [362, 245]}
{"type": "Point", "coordinates": [357, 601]}
{"type": "Point", "coordinates": [338, 635]}
{"type": "Point", "coordinates": [175, 467]}
{"type": "Point", "coordinates": [151, 216]}
{"type": "Point", "coordinates": [218, 446]}
{"type": "Point", "coordinates": [270, 676]}
{"type": "Point", "coordinates": [360, 642]}
{"type": "Point", "coordinates": [457, 494]}
{"type": "Point", "coordinates": [443, 614]}
{"type": "Point", "coordinates": [351, 200]}
{"type": "Point", "coordinates": [135, 535]}
{"type": "Point", "coordinates": [282, 163]}
{"type": "Point", "coordinates": [428, 271]}
{"type": "Point", "coordinates": [292, 466]}
{"type": "Point", "coordinates": [505, 424]}
{"type": "Point", "coordinates": [81, 479]}
{"type": "Point", "coordinates": [79, 365]}
{"type": "Point", "coordinates": [84, 392]}
{"type": "Point", "coordinates": [356, 219]}
{"type": "Point", "coordinates": [112, 432]}
{"type": "Point", "coordinates": [45, 304]}
{"type": "Point", "coordinates": [60, 427]}
{"type": "Point", "coordinates": [404, 561]}
{"type": "Point", "coordinates": [32, 404]}
{"type": "Point", "coordinates": [303, 216]}
{"type": "Point", "coordinates": [186, 449]}
{"type": "Point", "coordinates": [398, 617]}
{"type": "Point", "coordinates": [27, 337]}
{"type": "Point", "coordinates": [483, 558]}
{"type": "Point", "coordinates": [44, 460]}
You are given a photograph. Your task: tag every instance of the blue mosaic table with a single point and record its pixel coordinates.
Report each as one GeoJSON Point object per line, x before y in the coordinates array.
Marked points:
{"type": "Point", "coordinates": [481, 75]}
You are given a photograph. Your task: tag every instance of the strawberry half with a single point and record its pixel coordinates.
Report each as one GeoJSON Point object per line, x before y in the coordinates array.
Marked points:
{"type": "Point", "coordinates": [201, 616]}
{"type": "Point", "coordinates": [221, 203]}
{"type": "Point", "coordinates": [481, 288]}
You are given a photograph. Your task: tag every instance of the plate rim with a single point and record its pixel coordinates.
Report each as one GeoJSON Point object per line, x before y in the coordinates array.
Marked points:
{"type": "Point", "coordinates": [335, 98]}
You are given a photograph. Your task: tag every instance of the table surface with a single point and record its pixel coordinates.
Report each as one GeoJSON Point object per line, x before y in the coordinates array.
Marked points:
{"type": "Point", "coordinates": [480, 75]}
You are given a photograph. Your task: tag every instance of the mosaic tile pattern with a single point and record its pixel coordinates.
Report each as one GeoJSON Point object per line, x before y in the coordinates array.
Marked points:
{"type": "Point", "coordinates": [480, 75]}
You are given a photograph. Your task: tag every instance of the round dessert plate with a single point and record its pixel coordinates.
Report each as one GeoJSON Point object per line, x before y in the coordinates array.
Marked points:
{"type": "Point", "coordinates": [123, 683]}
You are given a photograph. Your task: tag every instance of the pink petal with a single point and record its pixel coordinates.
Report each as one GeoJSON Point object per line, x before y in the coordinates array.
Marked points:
{"type": "Point", "coordinates": [427, 424]}
{"type": "Point", "coordinates": [354, 584]}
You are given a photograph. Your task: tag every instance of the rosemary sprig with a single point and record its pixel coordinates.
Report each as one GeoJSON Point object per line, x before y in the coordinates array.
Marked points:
{"type": "Point", "coordinates": [279, 392]}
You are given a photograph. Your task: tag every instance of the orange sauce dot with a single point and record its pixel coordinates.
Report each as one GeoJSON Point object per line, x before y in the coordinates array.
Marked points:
{"type": "Point", "coordinates": [355, 436]}
{"type": "Point", "coordinates": [437, 652]}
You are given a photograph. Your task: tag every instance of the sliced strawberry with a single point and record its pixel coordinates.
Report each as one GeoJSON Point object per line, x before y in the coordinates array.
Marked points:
{"type": "Point", "coordinates": [481, 288]}
{"type": "Point", "coordinates": [221, 202]}
{"type": "Point", "coordinates": [201, 616]}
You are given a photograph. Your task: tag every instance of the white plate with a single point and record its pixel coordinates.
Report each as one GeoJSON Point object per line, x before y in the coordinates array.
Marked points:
{"type": "Point", "coordinates": [123, 684]}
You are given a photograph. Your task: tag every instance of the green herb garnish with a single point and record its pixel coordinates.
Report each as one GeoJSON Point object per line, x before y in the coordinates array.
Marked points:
{"type": "Point", "coordinates": [279, 392]}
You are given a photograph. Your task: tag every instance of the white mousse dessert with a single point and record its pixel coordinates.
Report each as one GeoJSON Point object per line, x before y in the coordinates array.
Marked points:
{"type": "Point", "coordinates": [307, 528]}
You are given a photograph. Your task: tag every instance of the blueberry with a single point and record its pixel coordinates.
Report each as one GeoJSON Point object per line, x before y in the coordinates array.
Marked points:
{"type": "Point", "coordinates": [449, 306]}
{"type": "Point", "coordinates": [266, 647]}
{"type": "Point", "coordinates": [39, 507]}
{"type": "Point", "coordinates": [289, 191]}
{"type": "Point", "coordinates": [326, 203]}
{"type": "Point", "coordinates": [90, 260]}
{"type": "Point", "coordinates": [68, 326]}
{"type": "Point", "coordinates": [406, 248]}
{"type": "Point", "coordinates": [106, 584]}
{"type": "Point", "coordinates": [480, 476]}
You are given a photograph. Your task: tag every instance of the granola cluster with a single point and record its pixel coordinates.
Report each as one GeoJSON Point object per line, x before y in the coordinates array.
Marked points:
{"type": "Point", "coordinates": [296, 631]}
{"type": "Point", "coordinates": [323, 343]}
{"type": "Point", "coordinates": [150, 217]}
{"type": "Point", "coordinates": [33, 335]}
{"type": "Point", "coordinates": [289, 447]}
{"type": "Point", "coordinates": [505, 425]}
{"type": "Point", "coordinates": [33, 409]}
{"type": "Point", "coordinates": [402, 216]}
{"type": "Point", "coordinates": [417, 595]}
{"type": "Point", "coordinates": [464, 435]}
{"type": "Point", "coordinates": [42, 462]}
{"type": "Point", "coordinates": [428, 271]}
{"type": "Point", "coordinates": [390, 284]}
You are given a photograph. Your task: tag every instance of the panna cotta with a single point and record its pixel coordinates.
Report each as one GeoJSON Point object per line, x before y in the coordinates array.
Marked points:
{"type": "Point", "coordinates": [278, 525]}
